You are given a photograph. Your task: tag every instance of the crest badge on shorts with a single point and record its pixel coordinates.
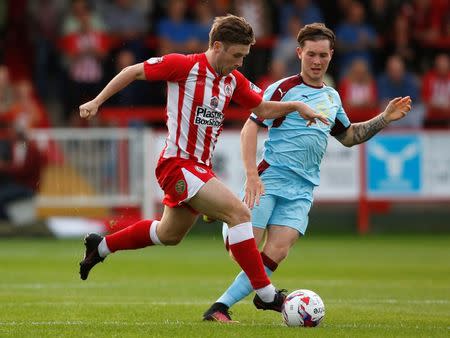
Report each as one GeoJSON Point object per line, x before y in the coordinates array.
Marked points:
{"type": "Point", "coordinates": [214, 102]}
{"type": "Point", "coordinates": [200, 169]}
{"type": "Point", "coordinates": [180, 187]}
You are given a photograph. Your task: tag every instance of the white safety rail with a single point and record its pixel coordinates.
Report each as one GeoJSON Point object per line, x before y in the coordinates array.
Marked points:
{"type": "Point", "coordinates": [101, 167]}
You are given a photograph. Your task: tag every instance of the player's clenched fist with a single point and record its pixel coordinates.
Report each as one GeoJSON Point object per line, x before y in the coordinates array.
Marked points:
{"type": "Point", "coordinates": [88, 109]}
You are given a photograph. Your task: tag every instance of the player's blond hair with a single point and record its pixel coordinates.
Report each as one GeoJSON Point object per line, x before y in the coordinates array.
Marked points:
{"type": "Point", "coordinates": [315, 32]}
{"type": "Point", "coordinates": [231, 29]}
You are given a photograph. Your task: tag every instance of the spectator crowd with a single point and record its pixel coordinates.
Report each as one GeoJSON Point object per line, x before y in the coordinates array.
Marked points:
{"type": "Point", "coordinates": [56, 54]}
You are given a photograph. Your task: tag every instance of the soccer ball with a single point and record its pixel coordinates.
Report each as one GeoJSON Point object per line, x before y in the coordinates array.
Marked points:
{"type": "Point", "coordinates": [303, 308]}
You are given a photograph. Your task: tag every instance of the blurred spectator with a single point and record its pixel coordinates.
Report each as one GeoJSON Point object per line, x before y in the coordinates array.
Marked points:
{"type": "Point", "coordinates": [395, 82]}
{"type": "Point", "coordinates": [3, 27]}
{"type": "Point", "coordinates": [287, 43]}
{"type": "Point", "coordinates": [127, 24]}
{"type": "Point", "coordinates": [20, 170]}
{"type": "Point", "coordinates": [84, 50]}
{"type": "Point", "coordinates": [6, 93]}
{"type": "Point", "coordinates": [27, 112]}
{"type": "Point", "coordinates": [358, 92]}
{"type": "Point", "coordinates": [428, 19]}
{"type": "Point", "coordinates": [203, 21]}
{"type": "Point", "coordinates": [354, 38]}
{"type": "Point", "coordinates": [257, 13]}
{"type": "Point", "coordinates": [398, 42]}
{"type": "Point", "coordinates": [380, 15]}
{"type": "Point", "coordinates": [175, 31]}
{"type": "Point", "coordinates": [130, 95]}
{"type": "Point", "coordinates": [46, 17]}
{"type": "Point", "coordinates": [277, 71]}
{"type": "Point", "coordinates": [436, 93]}
{"type": "Point", "coordinates": [305, 10]}
{"type": "Point", "coordinates": [221, 7]}
{"type": "Point", "coordinates": [79, 10]}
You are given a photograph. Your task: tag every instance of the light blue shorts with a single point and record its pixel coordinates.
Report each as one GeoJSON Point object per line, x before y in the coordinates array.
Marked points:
{"type": "Point", "coordinates": [276, 210]}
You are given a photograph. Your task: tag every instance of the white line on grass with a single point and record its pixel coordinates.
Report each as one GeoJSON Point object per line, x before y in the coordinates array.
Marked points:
{"type": "Point", "coordinates": [192, 323]}
{"type": "Point", "coordinates": [207, 302]}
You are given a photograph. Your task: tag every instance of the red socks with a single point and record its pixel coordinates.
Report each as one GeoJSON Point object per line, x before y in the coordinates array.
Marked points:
{"type": "Point", "coordinates": [244, 249]}
{"type": "Point", "coordinates": [135, 236]}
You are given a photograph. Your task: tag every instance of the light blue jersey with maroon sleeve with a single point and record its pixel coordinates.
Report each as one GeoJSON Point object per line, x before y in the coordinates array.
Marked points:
{"type": "Point", "coordinates": [293, 150]}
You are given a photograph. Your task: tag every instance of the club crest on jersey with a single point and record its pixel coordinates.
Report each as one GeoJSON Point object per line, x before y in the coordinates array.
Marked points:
{"type": "Point", "coordinates": [228, 90]}
{"type": "Point", "coordinates": [214, 102]}
{"type": "Point", "coordinates": [154, 61]}
{"type": "Point", "coordinates": [180, 187]}
{"type": "Point", "coordinates": [255, 88]}
{"type": "Point", "coordinates": [330, 97]}
{"type": "Point", "coordinates": [200, 169]}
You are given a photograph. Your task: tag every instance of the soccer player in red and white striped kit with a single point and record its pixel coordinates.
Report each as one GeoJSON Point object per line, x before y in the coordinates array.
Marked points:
{"type": "Point", "coordinates": [200, 87]}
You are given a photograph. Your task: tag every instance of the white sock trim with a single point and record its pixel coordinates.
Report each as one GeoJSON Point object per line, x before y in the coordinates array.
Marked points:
{"type": "Point", "coordinates": [153, 235]}
{"type": "Point", "coordinates": [267, 293]}
{"type": "Point", "coordinates": [240, 233]}
{"type": "Point", "coordinates": [103, 249]}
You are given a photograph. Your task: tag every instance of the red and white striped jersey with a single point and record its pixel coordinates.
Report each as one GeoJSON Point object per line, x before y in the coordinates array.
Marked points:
{"type": "Point", "coordinates": [196, 100]}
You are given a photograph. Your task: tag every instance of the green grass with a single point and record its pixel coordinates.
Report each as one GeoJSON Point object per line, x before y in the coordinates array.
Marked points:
{"type": "Point", "coordinates": [386, 286]}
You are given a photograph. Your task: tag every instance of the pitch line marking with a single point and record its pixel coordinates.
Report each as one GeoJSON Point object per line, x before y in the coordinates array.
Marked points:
{"type": "Point", "coordinates": [208, 302]}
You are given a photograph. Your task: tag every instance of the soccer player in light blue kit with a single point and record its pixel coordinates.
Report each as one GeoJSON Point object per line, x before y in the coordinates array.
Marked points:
{"type": "Point", "coordinates": [280, 189]}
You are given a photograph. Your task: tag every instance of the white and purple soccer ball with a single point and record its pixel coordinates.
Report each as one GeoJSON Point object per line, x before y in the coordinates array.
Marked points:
{"type": "Point", "coordinates": [303, 308]}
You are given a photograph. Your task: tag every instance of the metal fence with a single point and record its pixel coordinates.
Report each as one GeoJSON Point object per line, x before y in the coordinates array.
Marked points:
{"type": "Point", "coordinates": [91, 167]}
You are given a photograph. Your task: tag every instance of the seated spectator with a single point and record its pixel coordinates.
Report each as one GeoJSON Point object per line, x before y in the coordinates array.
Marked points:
{"type": "Point", "coordinates": [131, 94]}
{"type": "Point", "coordinates": [20, 170]}
{"type": "Point", "coordinates": [257, 13]}
{"type": "Point", "coordinates": [428, 22]}
{"type": "Point", "coordinates": [399, 42]}
{"type": "Point", "coordinates": [27, 112]}
{"type": "Point", "coordinates": [395, 82]}
{"type": "Point", "coordinates": [84, 51]}
{"type": "Point", "coordinates": [45, 17]}
{"type": "Point", "coordinates": [306, 10]}
{"type": "Point", "coordinates": [354, 38]}
{"type": "Point", "coordinates": [6, 93]}
{"type": "Point", "coordinates": [287, 43]}
{"type": "Point", "coordinates": [436, 93]}
{"type": "Point", "coordinates": [78, 10]}
{"type": "Point", "coordinates": [175, 32]}
{"type": "Point", "coordinates": [359, 92]}
{"type": "Point", "coordinates": [203, 21]}
{"type": "Point", "coordinates": [127, 24]}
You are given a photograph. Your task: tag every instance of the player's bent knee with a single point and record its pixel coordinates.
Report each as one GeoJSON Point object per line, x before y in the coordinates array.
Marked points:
{"type": "Point", "coordinates": [240, 214]}
{"type": "Point", "coordinates": [277, 254]}
{"type": "Point", "coordinates": [171, 241]}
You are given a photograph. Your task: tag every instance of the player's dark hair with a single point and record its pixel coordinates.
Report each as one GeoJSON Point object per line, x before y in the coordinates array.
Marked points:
{"type": "Point", "coordinates": [315, 32]}
{"type": "Point", "coordinates": [231, 29]}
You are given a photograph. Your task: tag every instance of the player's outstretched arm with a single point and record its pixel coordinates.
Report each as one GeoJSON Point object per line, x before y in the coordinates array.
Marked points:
{"type": "Point", "coordinates": [358, 133]}
{"type": "Point", "coordinates": [254, 187]}
{"type": "Point", "coordinates": [120, 81]}
{"type": "Point", "coordinates": [276, 109]}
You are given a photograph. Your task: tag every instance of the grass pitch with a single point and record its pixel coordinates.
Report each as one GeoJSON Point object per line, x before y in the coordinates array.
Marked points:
{"type": "Point", "coordinates": [387, 286]}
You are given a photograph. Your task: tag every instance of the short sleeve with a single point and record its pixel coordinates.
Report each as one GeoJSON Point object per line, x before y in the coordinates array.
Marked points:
{"type": "Point", "coordinates": [268, 96]}
{"type": "Point", "coordinates": [341, 122]}
{"type": "Point", "coordinates": [170, 67]}
{"type": "Point", "coordinates": [246, 94]}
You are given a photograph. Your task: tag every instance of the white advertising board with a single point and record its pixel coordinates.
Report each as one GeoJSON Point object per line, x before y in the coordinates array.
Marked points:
{"type": "Point", "coordinates": [339, 170]}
